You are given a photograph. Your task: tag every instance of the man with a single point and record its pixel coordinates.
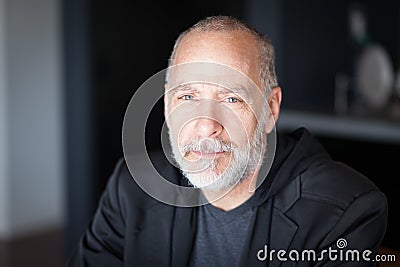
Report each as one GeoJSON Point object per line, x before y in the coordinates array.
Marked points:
{"type": "Point", "coordinates": [306, 211]}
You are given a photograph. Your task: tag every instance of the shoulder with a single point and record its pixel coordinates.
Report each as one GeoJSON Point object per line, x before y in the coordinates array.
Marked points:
{"type": "Point", "coordinates": [329, 200]}
{"type": "Point", "coordinates": [336, 183]}
{"type": "Point", "coordinates": [127, 183]}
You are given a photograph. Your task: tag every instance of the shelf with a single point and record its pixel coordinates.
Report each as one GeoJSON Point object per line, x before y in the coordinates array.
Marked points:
{"type": "Point", "coordinates": [331, 125]}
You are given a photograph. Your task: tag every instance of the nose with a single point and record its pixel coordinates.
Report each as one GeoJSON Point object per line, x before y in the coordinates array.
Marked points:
{"type": "Point", "coordinates": [207, 128]}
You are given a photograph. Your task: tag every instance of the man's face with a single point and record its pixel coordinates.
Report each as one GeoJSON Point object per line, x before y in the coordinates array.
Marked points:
{"type": "Point", "coordinates": [215, 128]}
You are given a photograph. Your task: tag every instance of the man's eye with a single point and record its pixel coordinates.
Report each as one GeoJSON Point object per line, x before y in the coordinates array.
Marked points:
{"type": "Point", "coordinates": [232, 100]}
{"type": "Point", "coordinates": [186, 97]}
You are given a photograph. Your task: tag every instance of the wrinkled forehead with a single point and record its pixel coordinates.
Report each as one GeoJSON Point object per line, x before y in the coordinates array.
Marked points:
{"type": "Point", "coordinates": [209, 73]}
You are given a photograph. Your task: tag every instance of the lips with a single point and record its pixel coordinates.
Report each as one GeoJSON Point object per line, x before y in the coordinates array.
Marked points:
{"type": "Point", "coordinates": [208, 153]}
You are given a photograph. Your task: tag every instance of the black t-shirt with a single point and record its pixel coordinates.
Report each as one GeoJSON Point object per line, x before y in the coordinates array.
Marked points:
{"type": "Point", "coordinates": [220, 235]}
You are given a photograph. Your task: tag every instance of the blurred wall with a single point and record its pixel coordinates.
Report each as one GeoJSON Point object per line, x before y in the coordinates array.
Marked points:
{"type": "Point", "coordinates": [4, 179]}
{"type": "Point", "coordinates": [31, 118]}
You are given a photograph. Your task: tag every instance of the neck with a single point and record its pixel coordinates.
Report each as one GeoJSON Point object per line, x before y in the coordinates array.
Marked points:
{"type": "Point", "coordinates": [236, 196]}
{"type": "Point", "coordinates": [239, 194]}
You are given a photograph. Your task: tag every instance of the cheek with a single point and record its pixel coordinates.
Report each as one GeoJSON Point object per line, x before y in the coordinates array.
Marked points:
{"type": "Point", "coordinates": [181, 133]}
{"type": "Point", "coordinates": [173, 120]}
{"type": "Point", "coordinates": [241, 128]}
{"type": "Point", "coordinates": [250, 124]}
{"type": "Point", "coordinates": [179, 118]}
{"type": "Point", "coordinates": [185, 133]}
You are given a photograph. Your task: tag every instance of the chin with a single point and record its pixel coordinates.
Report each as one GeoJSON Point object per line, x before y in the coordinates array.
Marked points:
{"type": "Point", "coordinates": [210, 181]}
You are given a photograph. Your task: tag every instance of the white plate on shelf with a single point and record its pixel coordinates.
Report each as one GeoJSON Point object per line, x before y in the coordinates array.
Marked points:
{"type": "Point", "coordinates": [375, 76]}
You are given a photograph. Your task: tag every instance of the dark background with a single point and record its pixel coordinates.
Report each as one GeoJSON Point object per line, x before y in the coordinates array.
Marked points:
{"type": "Point", "coordinates": [112, 47]}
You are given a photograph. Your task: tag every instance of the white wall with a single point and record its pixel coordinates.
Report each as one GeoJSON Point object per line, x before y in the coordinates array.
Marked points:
{"type": "Point", "coordinates": [4, 178]}
{"type": "Point", "coordinates": [34, 116]}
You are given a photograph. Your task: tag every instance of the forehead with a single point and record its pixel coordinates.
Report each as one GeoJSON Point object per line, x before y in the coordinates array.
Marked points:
{"type": "Point", "coordinates": [209, 73]}
{"type": "Point", "coordinates": [235, 49]}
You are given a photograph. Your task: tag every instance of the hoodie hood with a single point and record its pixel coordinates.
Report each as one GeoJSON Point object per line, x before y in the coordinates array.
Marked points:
{"type": "Point", "coordinates": [295, 152]}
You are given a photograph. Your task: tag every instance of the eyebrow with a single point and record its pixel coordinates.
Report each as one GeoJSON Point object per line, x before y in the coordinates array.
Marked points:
{"type": "Point", "coordinates": [186, 88]}
{"type": "Point", "coordinates": [235, 90]}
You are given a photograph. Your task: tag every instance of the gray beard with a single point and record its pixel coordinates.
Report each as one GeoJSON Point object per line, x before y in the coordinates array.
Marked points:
{"type": "Point", "coordinates": [244, 161]}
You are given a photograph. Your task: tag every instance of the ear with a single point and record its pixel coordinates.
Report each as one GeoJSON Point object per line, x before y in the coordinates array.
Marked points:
{"type": "Point", "coordinates": [274, 103]}
{"type": "Point", "coordinates": [166, 104]}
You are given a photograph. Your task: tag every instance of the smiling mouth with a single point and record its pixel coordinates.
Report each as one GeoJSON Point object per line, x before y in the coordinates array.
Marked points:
{"type": "Point", "coordinates": [208, 154]}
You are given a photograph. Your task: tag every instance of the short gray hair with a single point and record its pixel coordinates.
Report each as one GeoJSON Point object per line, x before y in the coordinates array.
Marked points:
{"type": "Point", "coordinates": [266, 52]}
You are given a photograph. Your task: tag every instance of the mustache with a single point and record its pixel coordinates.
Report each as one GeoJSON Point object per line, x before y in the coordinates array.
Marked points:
{"type": "Point", "coordinates": [209, 145]}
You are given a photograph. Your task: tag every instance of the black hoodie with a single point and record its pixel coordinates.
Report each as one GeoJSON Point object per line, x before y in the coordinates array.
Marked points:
{"type": "Point", "coordinates": [307, 202]}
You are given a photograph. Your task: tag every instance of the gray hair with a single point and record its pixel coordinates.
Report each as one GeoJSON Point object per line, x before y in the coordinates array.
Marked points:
{"type": "Point", "coordinates": [266, 52]}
